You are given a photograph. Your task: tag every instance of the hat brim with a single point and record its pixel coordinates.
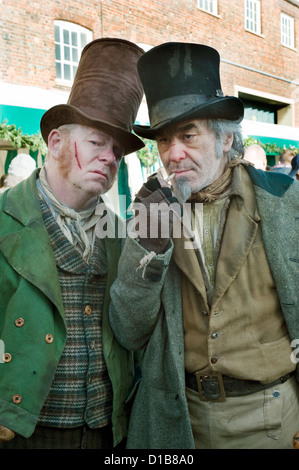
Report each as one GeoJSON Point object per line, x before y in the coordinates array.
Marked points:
{"type": "Point", "coordinates": [66, 114]}
{"type": "Point", "coordinates": [228, 108]}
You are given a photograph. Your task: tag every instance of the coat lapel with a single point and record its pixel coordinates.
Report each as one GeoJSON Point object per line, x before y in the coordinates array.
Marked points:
{"type": "Point", "coordinates": [239, 233]}
{"type": "Point", "coordinates": [26, 244]}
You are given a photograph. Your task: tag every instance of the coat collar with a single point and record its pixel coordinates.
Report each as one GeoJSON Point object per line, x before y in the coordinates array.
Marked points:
{"type": "Point", "coordinates": [239, 233]}
{"type": "Point", "coordinates": [24, 240]}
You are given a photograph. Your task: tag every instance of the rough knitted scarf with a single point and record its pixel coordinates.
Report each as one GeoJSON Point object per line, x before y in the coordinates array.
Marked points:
{"type": "Point", "coordinates": [214, 190]}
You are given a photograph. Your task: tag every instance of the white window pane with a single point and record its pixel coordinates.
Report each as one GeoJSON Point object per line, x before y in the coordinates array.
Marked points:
{"type": "Point", "coordinates": [252, 9]}
{"type": "Point", "coordinates": [287, 30]}
{"type": "Point", "coordinates": [74, 54]}
{"type": "Point", "coordinates": [67, 53]}
{"type": "Point", "coordinates": [208, 5]}
{"type": "Point", "coordinates": [74, 39]}
{"type": "Point", "coordinates": [66, 36]}
{"type": "Point", "coordinates": [66, 72]}
{"type": "Point", "coordinates": [57, 52]}
{"type": "Point", "coordinates": [70, 39]}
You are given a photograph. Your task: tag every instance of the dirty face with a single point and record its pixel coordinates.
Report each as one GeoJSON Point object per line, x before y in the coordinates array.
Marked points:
{"type": "Point", "coordinates": [88, 160]}
{"type": "Point", "coordinates": [189, 151]}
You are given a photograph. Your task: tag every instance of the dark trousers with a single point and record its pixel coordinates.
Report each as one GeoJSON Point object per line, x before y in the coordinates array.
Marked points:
{"type": "Point", "coordinates": [57, 438]}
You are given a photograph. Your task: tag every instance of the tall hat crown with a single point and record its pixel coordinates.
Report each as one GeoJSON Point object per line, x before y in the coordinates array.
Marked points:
{"type": "Point", "coordinates": [106, 92]}
{"type": "Point", "coordinates": [181, 81]}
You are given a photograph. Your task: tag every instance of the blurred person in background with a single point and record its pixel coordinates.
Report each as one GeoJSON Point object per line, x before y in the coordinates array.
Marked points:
{"type": "Point", "coordinates": [21, 166]}
{"type": "Point", "coordinates": [256, 155]}
{"type": "Point", "coordinates": [294, 173]}
{"type": "Point", "coordinates": [284, 164]}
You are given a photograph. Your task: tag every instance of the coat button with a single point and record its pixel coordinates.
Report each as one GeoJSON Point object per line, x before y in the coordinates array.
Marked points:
{"type": "Point", "coordinates": [214, 359]}
{"type": "Point", "coordinates": [49, 339]}
{"type": "Point", "coordinates": [6, 357]}
{"type": "Point", "coordinates": [87, 310]}
{"type": "Point", "coordinates": [214, 335]}
{"type": "Point", "coordinates": [17, 399]}
{"type": "Point", "coordinates": [19, 322]}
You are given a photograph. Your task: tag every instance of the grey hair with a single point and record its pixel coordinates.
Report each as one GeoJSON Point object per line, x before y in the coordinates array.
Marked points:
{"type": "Point", "coordinates": [221, 129]}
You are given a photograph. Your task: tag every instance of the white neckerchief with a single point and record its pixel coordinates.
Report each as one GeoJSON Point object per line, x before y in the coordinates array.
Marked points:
{"type": "Point", "coordinates": [77, 226]}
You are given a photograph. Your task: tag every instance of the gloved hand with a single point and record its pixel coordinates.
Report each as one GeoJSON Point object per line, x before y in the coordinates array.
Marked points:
{"type": "Point", "coordinates": [155, 208]}
{"type": "Point", "coordinates": [6, 434]}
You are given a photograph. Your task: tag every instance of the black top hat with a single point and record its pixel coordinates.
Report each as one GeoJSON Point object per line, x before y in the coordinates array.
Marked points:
{"type": "Point", "coordinates": [106, 92]}
{"type": "Point", "coordinates": [181, 81]}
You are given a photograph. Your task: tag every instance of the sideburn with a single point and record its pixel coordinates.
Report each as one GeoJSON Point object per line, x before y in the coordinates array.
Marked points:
{"type": "Point", "coordinates": [65, 157]}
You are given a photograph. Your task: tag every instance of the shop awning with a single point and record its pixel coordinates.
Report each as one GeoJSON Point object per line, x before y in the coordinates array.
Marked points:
{"type": "Point", "coordinates": [28, 119]}
{"type": "Point", "coordinates": [282, 136]}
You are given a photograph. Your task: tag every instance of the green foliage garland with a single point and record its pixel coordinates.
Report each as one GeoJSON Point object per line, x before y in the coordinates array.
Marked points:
{"type": "Point", "coordinates": [9, 132]}
{"type": "Point", "coordinates": [149, 154]}
{"type": "Point", "coordinates": [270, 149]}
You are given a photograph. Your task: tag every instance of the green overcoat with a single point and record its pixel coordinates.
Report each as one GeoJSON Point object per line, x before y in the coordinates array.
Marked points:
{"type": "Point", "coordinates": [32, 322]}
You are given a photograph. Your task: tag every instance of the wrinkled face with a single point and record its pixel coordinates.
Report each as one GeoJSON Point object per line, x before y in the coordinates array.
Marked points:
{"type": "Point", "coordinates": [88, 160]}
{"type": "Point", "coordinates": [189, 151]}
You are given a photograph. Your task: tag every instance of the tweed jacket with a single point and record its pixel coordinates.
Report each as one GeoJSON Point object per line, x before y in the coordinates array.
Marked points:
{"type": "Point", "coordinates": [32, 322]}
{"type": "Point", "coordinates": [146, 313]}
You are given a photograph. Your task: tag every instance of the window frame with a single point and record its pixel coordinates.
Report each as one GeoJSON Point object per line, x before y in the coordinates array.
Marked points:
{"type": "Point", "coordinates": [209, 6]}
{"type": "Point", "coordinates": [290, 33]}
{"type": "Point", "coordinates": [252, 8]}
{"type": "Point", "coordinates": [62, 49]}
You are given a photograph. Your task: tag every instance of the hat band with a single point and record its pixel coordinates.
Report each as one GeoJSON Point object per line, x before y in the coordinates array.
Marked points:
{"type": "Point", "coordinates": [171, 108]}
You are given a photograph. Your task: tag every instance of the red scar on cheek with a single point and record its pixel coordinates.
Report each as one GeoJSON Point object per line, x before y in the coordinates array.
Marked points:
{"type": "Point", "coordinates": [76, 156]}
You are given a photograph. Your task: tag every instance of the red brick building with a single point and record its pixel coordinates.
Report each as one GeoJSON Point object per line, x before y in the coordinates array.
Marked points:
{"type": "Point", "coordinates": [258, 40]}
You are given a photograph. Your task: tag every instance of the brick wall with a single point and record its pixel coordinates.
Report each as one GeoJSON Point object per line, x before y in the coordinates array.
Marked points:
{"type": "Point", "coordinates": [27, 55]}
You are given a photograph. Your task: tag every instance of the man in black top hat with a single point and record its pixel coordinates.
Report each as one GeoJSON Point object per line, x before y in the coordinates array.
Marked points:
{"type": "Point", "coordinates": [64, 377]}
{"type": "Point", "coordinates": [207, 285]}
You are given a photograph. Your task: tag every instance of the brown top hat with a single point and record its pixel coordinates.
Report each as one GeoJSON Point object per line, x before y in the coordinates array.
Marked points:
{"type": "Point", "coordinates": [106, 92]}
{"type": "Point", "coordinates": [181, 81]}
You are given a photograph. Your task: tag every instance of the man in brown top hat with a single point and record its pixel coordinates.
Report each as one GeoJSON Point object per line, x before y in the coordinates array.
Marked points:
{"type": "Point", "coordinates": [210, 295]}
{"type": "Point", "coordinates": [64, 377]}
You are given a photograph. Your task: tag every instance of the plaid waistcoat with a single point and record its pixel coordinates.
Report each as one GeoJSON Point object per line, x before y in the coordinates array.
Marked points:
{"type": "Point", "coordinates": [81, 392]}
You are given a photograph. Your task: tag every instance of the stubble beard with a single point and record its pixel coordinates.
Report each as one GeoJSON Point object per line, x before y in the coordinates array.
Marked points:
{"type": "Point", "coordinates": [181, 189]}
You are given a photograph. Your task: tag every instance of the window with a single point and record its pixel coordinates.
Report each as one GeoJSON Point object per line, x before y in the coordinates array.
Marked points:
{"type": "Point", "coordinates": [271, 109]}
{"type": "Point", "coordinates": [287, 30]}
{"type": "Point", "coordinates": [208, 5]}
{"type": "Point", "coordinates": [253, 16]}
{"type": "Point", "coordinates": [70, 39]}
{"type": "Point", "coordinates": [257, 111]}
